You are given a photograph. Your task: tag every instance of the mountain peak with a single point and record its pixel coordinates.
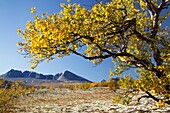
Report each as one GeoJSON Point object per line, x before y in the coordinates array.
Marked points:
{"type": "Point", "coordinates": [67, 76]}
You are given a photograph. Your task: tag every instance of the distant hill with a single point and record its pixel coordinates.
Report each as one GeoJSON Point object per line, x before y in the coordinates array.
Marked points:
{"type": "Point", "coordinates": [29, 77]}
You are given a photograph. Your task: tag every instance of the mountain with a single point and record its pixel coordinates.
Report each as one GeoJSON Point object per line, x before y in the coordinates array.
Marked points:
{"type": "Point", "coordinates": [13, 74]}
{"type": "Point", "coordinates": [69, 76]}
{"type": "Point", "coordinates": [29, 77]}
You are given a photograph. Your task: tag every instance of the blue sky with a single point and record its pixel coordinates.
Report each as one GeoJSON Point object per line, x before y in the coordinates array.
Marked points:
{"type": "Point", "coordinates": [14, 15]}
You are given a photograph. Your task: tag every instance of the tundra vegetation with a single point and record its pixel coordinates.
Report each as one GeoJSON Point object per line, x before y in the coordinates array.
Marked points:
{"type": "Point", "coordinates": [133, 33]}
{"type": "Point", "coordinates": [9, 93]}
{"type": "Point", "coordinates": [112, 85]}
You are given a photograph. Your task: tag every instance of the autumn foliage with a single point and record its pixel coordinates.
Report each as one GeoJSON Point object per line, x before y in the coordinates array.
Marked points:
{"type": "Point", "coordinates": [111, 84]}
{"type": "Point", "coordinates": [130, 32]}
{"type": "Point", "coordinates": [9, 93]}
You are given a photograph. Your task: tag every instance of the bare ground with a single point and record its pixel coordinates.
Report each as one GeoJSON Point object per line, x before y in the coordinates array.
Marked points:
{"type": "Point", "coordinates": [95, 100]}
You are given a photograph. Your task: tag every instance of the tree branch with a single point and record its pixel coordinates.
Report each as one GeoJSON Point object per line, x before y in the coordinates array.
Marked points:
{"type": "Point", "coordinates": [151, 6]}
{"type": "Point", "coordinates": [155, 14]}
{"type": "Point", "coordinates": [127, 24]}
{"type": "Point", "coordinates": [121, 29]}
{"type": "Point", "coordinates": [153, 97]}
{"type": "Point", "coordinates": [164, 4]}
{"type": "Point", "coordinates": [140, 36]}
{"type": "Point", "coordinates": [90, 58]}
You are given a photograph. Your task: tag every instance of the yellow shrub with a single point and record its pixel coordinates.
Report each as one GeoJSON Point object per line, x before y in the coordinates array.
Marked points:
{"type": "Point", "coordinates": [50, 87]}
{"type": "Point", "coordinates": [112, 85]}
{"type": "Point", "coordinates": [94, 84]}
{"type": "Point", "coordinates": [32, 89]}
{"type": "Point", "coordinates": [9, 92]}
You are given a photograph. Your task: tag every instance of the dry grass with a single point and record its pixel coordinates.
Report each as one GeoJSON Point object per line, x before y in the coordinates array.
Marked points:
{"type": "Point", "coordinates": [63, 100]}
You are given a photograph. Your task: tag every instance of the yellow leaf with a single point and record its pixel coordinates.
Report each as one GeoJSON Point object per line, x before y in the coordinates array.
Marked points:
{"type": "Point", "coordinates": [33, 10]}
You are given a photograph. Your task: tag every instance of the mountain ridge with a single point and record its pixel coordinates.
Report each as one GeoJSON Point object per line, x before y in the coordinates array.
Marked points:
{"type": "Point", "coordinates": [67, 76]}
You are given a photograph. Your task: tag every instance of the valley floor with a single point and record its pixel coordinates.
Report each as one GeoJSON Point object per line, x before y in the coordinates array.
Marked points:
{"type": "Point", "coordinates": [94, 100]}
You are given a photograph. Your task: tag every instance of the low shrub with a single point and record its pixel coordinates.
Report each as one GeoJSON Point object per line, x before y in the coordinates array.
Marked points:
{"type": "Point", "coordinates": [9, 93]}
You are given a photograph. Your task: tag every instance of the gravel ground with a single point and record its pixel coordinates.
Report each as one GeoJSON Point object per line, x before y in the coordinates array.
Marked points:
{"type": "Point", "coordinates": [95, 100]}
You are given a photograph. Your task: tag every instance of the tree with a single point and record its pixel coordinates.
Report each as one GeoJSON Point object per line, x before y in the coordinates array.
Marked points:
{"type": "Point", "coordinates": [131, 32]}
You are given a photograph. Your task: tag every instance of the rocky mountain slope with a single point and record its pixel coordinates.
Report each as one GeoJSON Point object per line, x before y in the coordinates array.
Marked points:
{"type": "Point", "coordinates": [67, 75]}
{"type": "Point", "coordinates": [28, 76]}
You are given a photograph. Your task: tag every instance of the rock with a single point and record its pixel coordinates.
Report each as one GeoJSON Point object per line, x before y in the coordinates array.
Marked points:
{"type": "Point", "coordinates": [76, 101]}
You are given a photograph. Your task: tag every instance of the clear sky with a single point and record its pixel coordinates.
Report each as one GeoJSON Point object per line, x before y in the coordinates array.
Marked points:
{"type": "Point", "coordinates": [15, 14]}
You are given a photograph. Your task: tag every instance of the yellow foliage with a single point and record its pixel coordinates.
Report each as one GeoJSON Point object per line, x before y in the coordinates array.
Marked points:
{"type": "Point", "coordinates": [49, 35]}
{"type": "Point", "coordinates": [33, 10]}
{"type": "Point", "coordinates": [50, 87]}
{"type": "Point", "coordinates": [9, 93]}
{"type": "Point", "coordinates": [151, 84]}
{"type": "Point", "coordinates": [161, 103]}
{"type": "Point", "coordinates": [128, 31]}
{"type": "Point", "coordinates": [113, 85]}
{"type": "Point", "coordinates": [93, 84]}
{"type": "Point", "coordinates": [32, 89]}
